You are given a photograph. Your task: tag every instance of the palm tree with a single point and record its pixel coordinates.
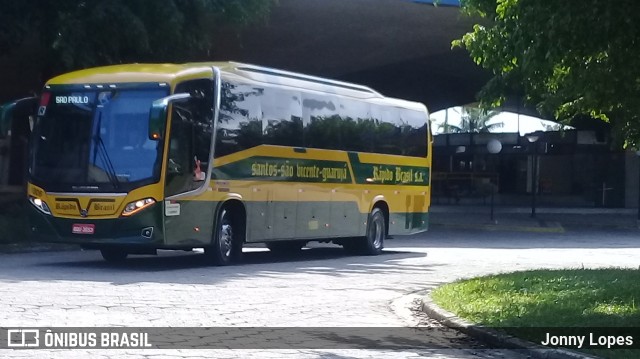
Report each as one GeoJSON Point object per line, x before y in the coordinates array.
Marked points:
{"type": "Point", "coordinates": [551, 126]}
{"type": "Point", "coordinates": [475, 120]}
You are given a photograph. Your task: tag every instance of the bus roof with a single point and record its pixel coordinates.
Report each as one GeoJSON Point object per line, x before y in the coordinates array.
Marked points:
{"type": "Point", "coordinates": [171, 73]}
{"type": "Point", "coordinates": [130, 73]}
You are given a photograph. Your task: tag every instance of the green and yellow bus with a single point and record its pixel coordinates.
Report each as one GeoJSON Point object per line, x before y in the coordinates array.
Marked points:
{"type": "Point", "coordinates": [129, 159]}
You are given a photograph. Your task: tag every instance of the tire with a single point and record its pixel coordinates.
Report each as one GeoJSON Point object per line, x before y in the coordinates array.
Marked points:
{"type": "Point", "coordinates": [226, 246]}
{"type": "Point", "coordinates": [373, 241]}
{"type": "Point", "coordinates": [286, 246]}
{"type": "Point", "coordinates": [114, 255]}
{"type": "Point", "coordinates": [376, 233]}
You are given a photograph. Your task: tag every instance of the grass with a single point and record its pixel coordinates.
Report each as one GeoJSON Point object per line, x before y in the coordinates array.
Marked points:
{"type": "Point", "coordinates": [549, 298]}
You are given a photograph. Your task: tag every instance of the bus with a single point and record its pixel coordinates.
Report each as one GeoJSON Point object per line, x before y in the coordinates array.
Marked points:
{"type": "Point", "coordinates": [131, 159]}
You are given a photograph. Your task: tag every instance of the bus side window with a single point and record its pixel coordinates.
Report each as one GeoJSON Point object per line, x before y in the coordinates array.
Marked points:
{"type": "Point", "coordinates": [322, 122]}
{"type": "Point", "coordinates": [356, 128]}
{"type": "Point", "coordinates": [414, 133]}
{"type": "Point", "coordinates": [281, 120]}
{"type": "Point", "coordinates": [387, 130]}
{"type": "Point", "coordinates": [240, 118]}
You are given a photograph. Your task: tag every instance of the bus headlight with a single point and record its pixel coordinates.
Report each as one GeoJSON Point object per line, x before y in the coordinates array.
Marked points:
{"type": "Point", "coordinates": [40, 205]}
{"type": "Point", "coordinates": [137, 206]}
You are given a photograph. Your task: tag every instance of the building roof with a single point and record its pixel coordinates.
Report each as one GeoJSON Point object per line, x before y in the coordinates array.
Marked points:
{"type": "Point", "coordinates": [401, 48]}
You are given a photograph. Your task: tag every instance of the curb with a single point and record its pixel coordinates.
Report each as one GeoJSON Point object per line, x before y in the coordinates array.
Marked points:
{"type": "Point", "coordinates": [495, 337]}
{"type": "Point", "coordinates": [555, 228]}
{"type": "Point", "coordinates": [601, 226]}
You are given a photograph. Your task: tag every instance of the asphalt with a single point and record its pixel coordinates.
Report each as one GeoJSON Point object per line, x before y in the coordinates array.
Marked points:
{"type": "Point", "coordinates": [478, 217]}
{"type": "Point", "coordinates": [555, 219]}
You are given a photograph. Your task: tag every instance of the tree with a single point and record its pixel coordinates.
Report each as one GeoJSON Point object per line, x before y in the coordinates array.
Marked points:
{"type": "Point", "coordinates": [474, 120]}
{"type": "Point", "coordinates": [565, 57]}
{"type": "Point", "coordinates": [73, 34]}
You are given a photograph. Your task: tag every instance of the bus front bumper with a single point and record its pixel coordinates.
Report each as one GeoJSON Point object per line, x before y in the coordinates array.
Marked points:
{"type": "Point", "coordinates": [144, 229]}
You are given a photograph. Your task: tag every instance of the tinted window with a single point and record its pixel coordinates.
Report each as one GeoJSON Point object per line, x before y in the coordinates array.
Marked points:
{"type": "Point", "coordinates": [322, 122]}
{"type": "Point", "coordinates": [63, 137]}
{"type": "Point", "coordinates": [414, 135]}
{"type": "Point", "coordinates": [95, 138]}
{"type": "Point", "coordinates": [251, 115]}
{"type": "Point", "coordinates": [387, 130]}
{"type": "Point", "coordinates": [357, 129]}
{"type": "Point", "coordinates": [240, 118]}
{"type": "Point", "coordinates": [190, 138]}
{"type": "Point", "coordinates": [282, 117]}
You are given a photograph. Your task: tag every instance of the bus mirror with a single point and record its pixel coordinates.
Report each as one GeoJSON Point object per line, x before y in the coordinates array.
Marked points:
{"type": "Point", "coordinates": [158, 114]}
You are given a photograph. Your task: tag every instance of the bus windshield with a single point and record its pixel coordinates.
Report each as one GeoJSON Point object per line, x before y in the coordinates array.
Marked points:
{"type": "Point", "coordinates": [95, 141]}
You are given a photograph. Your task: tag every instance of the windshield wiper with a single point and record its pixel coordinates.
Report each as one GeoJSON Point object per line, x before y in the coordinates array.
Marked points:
{"type": "Point", "coordinates": [102, 149]}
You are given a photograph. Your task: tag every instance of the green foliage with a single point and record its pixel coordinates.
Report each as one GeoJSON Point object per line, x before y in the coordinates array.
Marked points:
{"type": "Point", "coordinates": [547, 298]}
{"type": "Point", "coordinates": [565, 57]}
{"type": "Point", "coordinates": [603, 297]}
{"type": "Point", "coordinates": [75, 34]}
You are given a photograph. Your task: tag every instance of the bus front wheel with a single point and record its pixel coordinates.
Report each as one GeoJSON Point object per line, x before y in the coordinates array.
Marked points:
{"type": "Point", "coordinates": [226, 245]}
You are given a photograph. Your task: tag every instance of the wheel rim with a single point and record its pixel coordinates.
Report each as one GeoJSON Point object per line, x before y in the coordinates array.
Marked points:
{"type": "Point", "coordinates": [226, 237]}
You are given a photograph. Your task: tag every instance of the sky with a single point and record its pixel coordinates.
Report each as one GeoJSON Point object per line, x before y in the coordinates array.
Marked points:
{"type": "Point", "coordinates": [512, 122]}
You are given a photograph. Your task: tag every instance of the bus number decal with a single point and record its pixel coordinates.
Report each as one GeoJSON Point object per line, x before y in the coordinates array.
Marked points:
{"type": "Point", "coordinates": [171, 208]}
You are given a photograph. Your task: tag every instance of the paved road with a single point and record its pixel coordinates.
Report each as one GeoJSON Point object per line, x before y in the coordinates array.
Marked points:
{"type": "Point", "coordinates": [321, 287]}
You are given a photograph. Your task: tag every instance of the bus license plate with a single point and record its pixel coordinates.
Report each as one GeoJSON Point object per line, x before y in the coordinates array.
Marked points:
{"type": "Point", "coordinates": [83, 228]}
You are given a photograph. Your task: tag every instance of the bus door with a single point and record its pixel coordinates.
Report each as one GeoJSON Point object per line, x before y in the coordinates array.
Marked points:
{"type": "Point", "coordinates": [189, 212]}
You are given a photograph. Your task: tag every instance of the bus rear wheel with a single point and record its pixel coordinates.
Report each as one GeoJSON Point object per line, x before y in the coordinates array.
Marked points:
{"type": "Point", "coordinates": [226, 246]}
{"type": "Point", "coordinates": [114, 255]}
{"type": "Point", "coordinates": [373, 242]}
